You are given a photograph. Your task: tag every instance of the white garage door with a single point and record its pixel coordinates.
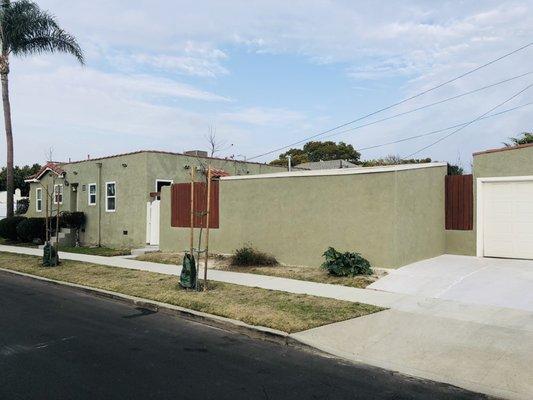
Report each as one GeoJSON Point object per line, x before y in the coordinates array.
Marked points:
{"type": "Point", "coordinates": [508, 219]}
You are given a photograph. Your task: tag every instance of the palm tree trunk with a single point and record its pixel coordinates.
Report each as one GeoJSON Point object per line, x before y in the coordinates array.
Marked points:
{"type": "Point", "coordinates": [4, 70]}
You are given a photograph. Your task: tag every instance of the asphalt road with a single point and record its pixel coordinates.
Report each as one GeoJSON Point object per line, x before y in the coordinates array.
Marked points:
{"type": "Point", "coordinates": [59, 343]}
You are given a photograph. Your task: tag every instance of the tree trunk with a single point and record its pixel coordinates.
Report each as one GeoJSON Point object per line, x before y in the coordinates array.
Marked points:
{"type": "Point", "coordinates": [4, 69]}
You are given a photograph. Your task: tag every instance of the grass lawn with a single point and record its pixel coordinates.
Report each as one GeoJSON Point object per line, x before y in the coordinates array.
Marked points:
{"type": "Point", "coordinates": [8, 242]}
{"type": "Point", "coordinates": [302, 273]}
{"type": "Point", "coordinates": [279, 310]}
{"type": "Point", "coordinates": [95, 251]}
{"type": "Point", "coordinates": [162, 258]}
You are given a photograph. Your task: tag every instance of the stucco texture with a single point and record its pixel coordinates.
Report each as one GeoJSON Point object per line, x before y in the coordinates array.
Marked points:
{"type": "Point", "coordinates": [391, 218]}
{"type": "Point", "coordinates": [135, 175]}
{"type": "Point", "coordinates": [516, 161]}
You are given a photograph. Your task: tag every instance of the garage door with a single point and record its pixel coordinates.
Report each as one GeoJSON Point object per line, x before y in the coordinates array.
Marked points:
{"type": "Point", "coordinates": [508, 219]}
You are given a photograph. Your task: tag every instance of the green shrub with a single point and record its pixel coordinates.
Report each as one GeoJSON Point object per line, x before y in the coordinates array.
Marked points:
{"type": "Point", "coordinates": [73, 220]}
{"type": "Point", "coordinates": [22, 206]}
{"type": "Point", "coordinates": [8, 227]}
{"type": "Point", "coordinates": [32, 228]}
{"type": "Point", "coordinates": [345, 264]}
{"type": "Point", "coordinates": [248, 256]}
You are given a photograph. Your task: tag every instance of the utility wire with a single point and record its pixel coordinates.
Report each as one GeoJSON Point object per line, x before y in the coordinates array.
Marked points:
{"type": "Point", "coordinates": [428, 105]}
{"type": "Point", "coordinates": [470, 122]}
{"type": "Point", "coordinates": [441, 130]}
{"type": "Point", "coordinates": [397, 103]}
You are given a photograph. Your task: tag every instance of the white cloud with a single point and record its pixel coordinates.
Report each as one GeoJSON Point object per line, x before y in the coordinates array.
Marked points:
{"type": "Point", "coordinates": [194, 59]}
{"type": "Point", "coordinates": [264, 116]}
{"type": "Point", "coordinates": [140, 55]}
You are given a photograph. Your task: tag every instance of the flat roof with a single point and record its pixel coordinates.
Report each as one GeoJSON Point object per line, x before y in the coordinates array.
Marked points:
{"type": "Point", "coordinates": [520, 146]}
{"type": "Point", "coordinates": [339, 171]}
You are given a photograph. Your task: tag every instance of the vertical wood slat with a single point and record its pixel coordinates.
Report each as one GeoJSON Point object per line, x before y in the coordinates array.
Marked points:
{"type": "Point", "coordinates": [180, 205]}
{"type": "Point", "coordinates": [459, 202]}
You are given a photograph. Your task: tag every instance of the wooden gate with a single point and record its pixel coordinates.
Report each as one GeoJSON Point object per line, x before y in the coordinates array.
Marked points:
{"type": "Point", "coordinates": [180, 196]}
{"type": "Point", "coordinates": [459, 202]}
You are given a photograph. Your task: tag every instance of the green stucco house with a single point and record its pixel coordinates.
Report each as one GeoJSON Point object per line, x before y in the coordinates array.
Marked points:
{"type": "Point", "coordinates": [120, 194]}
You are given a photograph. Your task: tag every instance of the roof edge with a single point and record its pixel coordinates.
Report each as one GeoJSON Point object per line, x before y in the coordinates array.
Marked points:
{"type": "Point", "coordinates": [520, 146]}
{"type": "Point", "coordinates": [168, 153]}
{"type": "Point", "coordinates": [339, 171]}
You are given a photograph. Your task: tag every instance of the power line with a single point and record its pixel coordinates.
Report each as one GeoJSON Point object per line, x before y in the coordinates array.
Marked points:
{"type": "Point", "coordinates": [470, 122]}
{"type": "Point", "coordinates": [442, 130]}
{"type": "Point", "coordinates": [428, 105]}
{"type": "Point", "coordinates": [397, 103]}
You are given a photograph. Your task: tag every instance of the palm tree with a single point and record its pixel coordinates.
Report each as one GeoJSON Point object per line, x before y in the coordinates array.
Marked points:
{"type": "Point", "coordinates": [526, 137]}
{"type": "Point", "coordinates": [25, 29]}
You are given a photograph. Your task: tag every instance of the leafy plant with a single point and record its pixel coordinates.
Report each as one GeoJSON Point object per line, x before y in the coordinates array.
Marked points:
{"type": "Point", "coordinates": [32, 228]}
{"type": "Point", "coordinates": [249, 256]}
{"type": "Point", "coordinates": [345, 264]}
{"type": "Point", "coordinates": [73, 220]}
{"type": "Point", "coordinates": [22, 206]}
{"type": "Point", "coordinates": [8, 227]}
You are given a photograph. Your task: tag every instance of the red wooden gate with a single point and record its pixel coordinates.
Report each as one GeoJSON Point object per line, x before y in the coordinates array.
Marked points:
{"type": "Point", "coordinates": [459, 202]}
{"type": "Point", "coordinates": [180, 203]}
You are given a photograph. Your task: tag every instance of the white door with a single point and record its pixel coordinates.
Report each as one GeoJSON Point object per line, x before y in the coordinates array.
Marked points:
{"type": "Point", "coordinates": [508, 219]}
{"type": "Point", "coordinates": [154, 222]}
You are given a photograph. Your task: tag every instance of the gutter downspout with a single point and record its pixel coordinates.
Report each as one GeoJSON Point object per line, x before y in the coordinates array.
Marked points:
{"type": "Point", "coordinates": [99, 191]}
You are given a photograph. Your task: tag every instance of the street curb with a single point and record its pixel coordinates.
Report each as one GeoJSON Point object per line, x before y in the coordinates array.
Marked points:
{"type": "Point", "coordinates": [233, 325]}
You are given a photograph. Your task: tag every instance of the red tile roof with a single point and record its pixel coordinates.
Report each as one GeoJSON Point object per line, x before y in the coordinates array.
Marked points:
{"type": "Point", "coordinates": [218, 173]}
{"type": "Point", "coordinates": [49, 166]}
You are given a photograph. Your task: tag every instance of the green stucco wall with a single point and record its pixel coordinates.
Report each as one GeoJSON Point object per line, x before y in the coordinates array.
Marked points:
{"type": "Point", "coordinates": [512, 162]}
{"type": "Point", "coordinates": [130, 214]}
{"type": "Point", "coordinates": [135, 176]}
{"type": "Point", "coordinates": [392, 218]}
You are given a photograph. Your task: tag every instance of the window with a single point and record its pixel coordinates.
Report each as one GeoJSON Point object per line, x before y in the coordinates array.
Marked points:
{"type": "Point", "coordinates": [159, 183]}
{"type": "Point", "coordinates": [92, 194]}
{"type": "Point", "coordinates": [110, 196]}
{"type": "Point", "coordinates": [39, 199]}
{"type": "Point", "coordinates": [58, 194]}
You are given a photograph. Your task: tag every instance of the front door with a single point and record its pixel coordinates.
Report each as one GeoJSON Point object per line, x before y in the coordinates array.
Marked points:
{"type": "Point", "coordinates": [153, 223]}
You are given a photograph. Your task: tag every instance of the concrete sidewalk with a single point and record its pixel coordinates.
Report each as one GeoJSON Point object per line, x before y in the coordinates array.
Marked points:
{"type": "Point", "coordinates": [476, 356]}
{"type": "Point", "coordinates": [382, 299]}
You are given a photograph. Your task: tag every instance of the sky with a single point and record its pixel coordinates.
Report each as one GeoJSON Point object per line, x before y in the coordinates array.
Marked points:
{"type": "Point", "coordinates": [162, 74]}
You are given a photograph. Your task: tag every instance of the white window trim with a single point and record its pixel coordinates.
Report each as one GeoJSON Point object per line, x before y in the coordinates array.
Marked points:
{"type": "Point", "coordinates": [480, 251]}
{"type": "Point", "coordinates": [89, 194]}
{"type": "Point", "coordinates": [108, 197]}
{"type": "Point", "coordinates": [37, 208]}
{"type": "Point", "coordinates": [61, 192]}
{"type": "Point", "coordinates": [163, 180]}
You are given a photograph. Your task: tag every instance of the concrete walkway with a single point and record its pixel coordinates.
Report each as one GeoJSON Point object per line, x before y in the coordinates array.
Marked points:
{"type": "Point", "coordinates": [479, 347]}
{"type": "Point", "coordinates": [378, 298]}
{"type": "Point", "coordinates": [485, 281]}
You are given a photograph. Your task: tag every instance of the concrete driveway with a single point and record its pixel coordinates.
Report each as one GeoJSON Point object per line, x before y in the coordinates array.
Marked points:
{"type": "Point", "coordinates": [484, 281]}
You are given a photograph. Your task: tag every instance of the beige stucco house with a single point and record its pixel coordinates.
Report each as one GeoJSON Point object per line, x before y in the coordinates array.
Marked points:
{"type": "Point", "coordinates": [120, 194]}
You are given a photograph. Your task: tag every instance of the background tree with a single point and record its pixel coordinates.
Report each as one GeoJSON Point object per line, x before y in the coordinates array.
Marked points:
{"type": "Point", "coordinates": [25, 29]}
{"type": "Point", "coordinates": [455, 169]}
{"type": "Point", "coordinates": [19, 175]}
{"type": "Point", "coordinates": [393, 160]}
{"type": "Point", "coordinates": [298, 156]}
{"type": "Point", "coordinates": [523, 138]}
{"type": "Point", "coordinates": [319, 151]}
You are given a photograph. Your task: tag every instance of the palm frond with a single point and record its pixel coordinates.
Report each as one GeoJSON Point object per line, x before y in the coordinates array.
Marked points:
{"type": "Point", "coordinates": [29, 30]}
